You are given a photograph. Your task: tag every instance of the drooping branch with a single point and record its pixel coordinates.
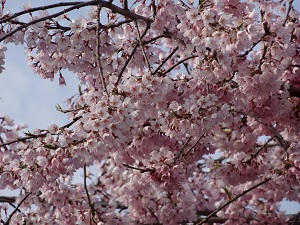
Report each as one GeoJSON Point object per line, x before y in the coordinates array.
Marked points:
{"type": "Point", "coordinates": [284, 144]}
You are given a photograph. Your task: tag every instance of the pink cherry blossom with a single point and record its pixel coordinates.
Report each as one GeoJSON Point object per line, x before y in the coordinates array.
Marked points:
{"type": "Point", "coordinates": [187, 113]}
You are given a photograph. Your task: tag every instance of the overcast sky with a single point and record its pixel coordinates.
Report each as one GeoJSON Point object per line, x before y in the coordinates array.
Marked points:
{"type": "Point", "coordinates": [29, 99]}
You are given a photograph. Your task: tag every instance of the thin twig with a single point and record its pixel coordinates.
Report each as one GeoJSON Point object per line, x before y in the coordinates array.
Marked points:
{"type": "Point", "coordinates": [288, 12]}
{"type": "Point", "coordinates": [19, 140]}
{"type": "Point", "coordinates": [99, 65]}
{"type": "Point", "coordinates": [264, 145]}
{"type": "Point", "coordinates": [284, 144]}
{"type": "Point", "coordinates": [114, 8]}
{"type": "Point", "coordinates": [252, 47]}
{"type": "Point", "coordinates": [43, 19]}
{"type": "Point", "coordinates": [165, 60]}
{"type": "Point", "coordinates": [71, 123]}
{"type": "Point", "coordinates": [154, 39]}
{"type": "Point", "coordinates": [181, 150]}
{"type": "Point", "coordinates": [16, 209]}
{"type": "Point", "coordinates": [45, 7]}
{"type": "Point", "coordinates": [296, 218]}
{"type": "Point", "coordinates": [179, 62]}
{"type": "Point", "coordinates": [39, 135]}
{"type": "Point", "coordinates": [141, 170]}
{"type": "Point", "coordinates": [154, 8]}
{"type": "Point", "coordinates": [194, 145]}
{"type": "Point", "coordinates": [126, 63]}
{"type": "Point", "coordinates": [232, 200]}
{"type": "Point", "coordinates": [184, 4]}
{"type": "Point", "coordinates": [130, 57]}
{"type": "Point", "coordinates": [142, 46]}
{"type": "Point", "coordinates": [87, 192]}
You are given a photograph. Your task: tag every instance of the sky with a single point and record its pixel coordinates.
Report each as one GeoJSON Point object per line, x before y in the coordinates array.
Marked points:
{"type": "Point", "coordinates": [27, 98]}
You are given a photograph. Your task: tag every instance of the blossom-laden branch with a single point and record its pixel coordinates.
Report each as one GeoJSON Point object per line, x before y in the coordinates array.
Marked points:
{"type": "Point", "coordinates": [233, 200]}
{"type": "Point", "coordinates": [16, 209]}
{"type": "Point", "coordinates": [34, 136]}
{"type": "Point", "coordinates": [294, 219]}
{"type": "Point", "coordinates": [76, 5]}
{"type": "Point", "coordinates": [284, 144]}
{"type": "Point", "coordinates": [216, 43]}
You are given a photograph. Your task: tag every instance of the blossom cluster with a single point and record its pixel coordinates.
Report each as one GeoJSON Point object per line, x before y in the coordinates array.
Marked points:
{"type": "Point", "coordinates": [164, 85]}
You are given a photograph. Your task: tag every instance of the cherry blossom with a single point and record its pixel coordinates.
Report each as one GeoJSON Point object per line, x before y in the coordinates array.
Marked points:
{"type": "Point", "coordinates": [167, 125]}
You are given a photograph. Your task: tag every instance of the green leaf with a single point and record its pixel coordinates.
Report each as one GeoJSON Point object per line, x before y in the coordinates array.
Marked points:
{"type": "Point", "coordinates": [58, 108]}
{"type": "Point", "coordinates": [50, 146]}
{"type": "Point", "coordinates": [239, 26]}
{"type": "Point", "coordinates": [28, 134]}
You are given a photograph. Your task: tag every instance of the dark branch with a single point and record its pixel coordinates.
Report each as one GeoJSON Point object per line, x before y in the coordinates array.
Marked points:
{"type": "Point", "coordinates": [87, 193]}
{"type": "Point", "coordinates": [98, 54]}
{"type": "Point", "coordinates": [165, 60]}
{"type": "Point", "coordinates": [288, 12]}
{"type": "Point", "coordinates": [114, 8]}
{"type": "Point", "coordinates": [130, 57]}
{"type": "Point", "coordinates": [141, 170]}
{"type": "Point", "coordinates": [232, 200]}
{"type": "Point", "coordinates": [16, 209]}
{"type": "Point", "coordinates": [294, 91]}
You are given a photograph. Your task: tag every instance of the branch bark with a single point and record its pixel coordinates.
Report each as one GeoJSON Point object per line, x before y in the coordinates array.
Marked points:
{"type": "Point", "coordinates": [106, 4]}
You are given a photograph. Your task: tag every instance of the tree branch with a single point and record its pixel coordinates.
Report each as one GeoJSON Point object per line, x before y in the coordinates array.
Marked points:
{"type": "Point", "coordinates": [193, 146]}
{"type": "Point", "coordinates": [288, 12]}
{"type": "Point", "coordinates": [166, 59]}
{"type": "Point", "coordinates": [88, 195]}
{"type": "Point", "coordinates": [142, 46]}
{"type": "Point", "coordinates": [31, 136]}
{"type": "Point", "coordinates": [141, 170]}
{"type": "Point", "coordinates": [99, 65]}
{"type": "Point", "coordinates": [179, 62]}
{"type": "Point", "coordinates": [130, 57]}
{"type": "Point", "coordinates": [294, 91]}
{"type": "Point", "coordinates": [16, 209]}
{"type": "Point", "coordinates": [232, 200]}
{"type": "Point", "coordinates": [181, 150]}
{"type": "Point", "coordinates": [114, 8]}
